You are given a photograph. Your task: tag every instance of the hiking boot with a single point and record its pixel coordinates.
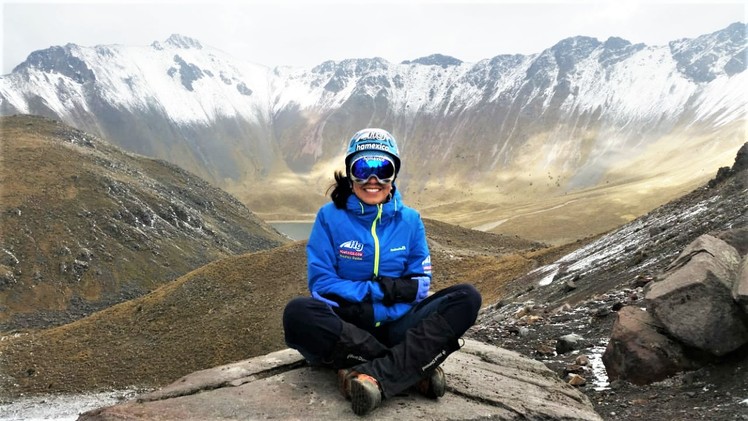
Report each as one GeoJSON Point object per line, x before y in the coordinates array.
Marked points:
{"type": "Point", "coordinates": [365, 394]}
{"type": "Point", "coordinates": [345, 375]}
{"type": "Point", "coordinates": [433, 386]}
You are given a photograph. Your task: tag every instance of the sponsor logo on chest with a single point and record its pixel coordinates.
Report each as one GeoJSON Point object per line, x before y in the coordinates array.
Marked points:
{"type": "Point", "coordinates": [351, 250]}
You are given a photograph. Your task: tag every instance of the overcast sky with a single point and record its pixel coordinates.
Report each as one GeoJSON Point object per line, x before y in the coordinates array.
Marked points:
{"type": "Point", "coordinates": [306, 33]}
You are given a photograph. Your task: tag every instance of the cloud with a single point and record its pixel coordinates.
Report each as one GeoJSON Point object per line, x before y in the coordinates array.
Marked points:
{"type": "Point", "coordinates": [296, 33]}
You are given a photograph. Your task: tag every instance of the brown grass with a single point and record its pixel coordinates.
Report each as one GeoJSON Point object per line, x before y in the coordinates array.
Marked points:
{"type": "Point", "coordinates": [223, 312]}
{"type": "Point", "coordinates": [58, 206]}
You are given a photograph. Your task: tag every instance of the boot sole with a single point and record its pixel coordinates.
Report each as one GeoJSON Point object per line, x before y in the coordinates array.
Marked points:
{"type": "Point", "coordinates": [435, 386]}
{"type": "Point", "coordinates": [364, 397]}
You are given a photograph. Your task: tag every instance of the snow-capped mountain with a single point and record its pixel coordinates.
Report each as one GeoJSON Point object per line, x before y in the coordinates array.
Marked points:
{"type": "Point", "coordinates": [580, 113]}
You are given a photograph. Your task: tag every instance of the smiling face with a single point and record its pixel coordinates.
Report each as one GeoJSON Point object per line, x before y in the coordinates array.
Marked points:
{"type": "Point", "coordinates": [372, 192]}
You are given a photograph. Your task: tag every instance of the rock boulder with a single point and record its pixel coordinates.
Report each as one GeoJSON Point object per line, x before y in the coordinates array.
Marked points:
{"type": "Point", "coordinates": [639, 352]}
{"type": "Point", "coordinates": [483, 382]}
{"type": "Point", "coordinates": [694, 301]}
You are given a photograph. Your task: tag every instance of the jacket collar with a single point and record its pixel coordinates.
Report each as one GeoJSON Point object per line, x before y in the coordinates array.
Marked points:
{"type": "Point", "coordinates": [389, 208]}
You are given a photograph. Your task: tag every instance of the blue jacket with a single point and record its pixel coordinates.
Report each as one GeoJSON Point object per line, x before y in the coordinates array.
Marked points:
{"type": "Point", "coordinates": [348, 247]}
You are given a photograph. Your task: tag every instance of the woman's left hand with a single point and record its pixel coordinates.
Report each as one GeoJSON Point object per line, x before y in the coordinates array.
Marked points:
{"type": "Point", "coordinates": [424, 282]}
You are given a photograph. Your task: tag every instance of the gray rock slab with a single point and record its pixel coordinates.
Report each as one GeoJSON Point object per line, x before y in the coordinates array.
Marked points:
{"type": "Point", "coordinates": [483, 382]}
{"type": "Point", "coordinates": [695, 300]}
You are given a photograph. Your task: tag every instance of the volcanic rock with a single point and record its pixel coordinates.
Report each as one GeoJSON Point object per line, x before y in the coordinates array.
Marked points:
{"type": "Point", "coordinates": [694, 302]}
{"type": "Point", "coordinates": [639, 352]}
{"type": "Point", "coordinates": [483, 382]}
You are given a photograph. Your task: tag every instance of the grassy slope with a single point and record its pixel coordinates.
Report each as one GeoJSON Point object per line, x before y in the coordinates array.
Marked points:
{"type": "Point", "coordinates": [89, 225]}
{"type": "Point", "coordinates": [225, 311]}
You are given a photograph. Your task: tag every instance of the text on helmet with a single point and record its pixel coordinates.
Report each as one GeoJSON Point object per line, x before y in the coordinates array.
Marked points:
{"type": "Point", "coordinates": [377, 146]}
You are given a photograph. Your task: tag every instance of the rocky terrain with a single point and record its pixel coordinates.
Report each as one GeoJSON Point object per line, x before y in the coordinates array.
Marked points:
{"type": "Point", "coordinates": [485, 382]}
{"type": "Point", "coordinates": [581, 293]}
{"type": "Point", "coordinates": [86, 225]}
{"type": "Point", "coordinates": [230, 309]}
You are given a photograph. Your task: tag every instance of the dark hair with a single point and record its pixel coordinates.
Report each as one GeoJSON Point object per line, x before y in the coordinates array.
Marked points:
{"type": "Point", "coordinates": [341, 190]}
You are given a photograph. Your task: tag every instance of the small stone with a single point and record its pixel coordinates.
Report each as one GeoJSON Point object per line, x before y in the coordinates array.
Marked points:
{"type": "Point", "coordinates": [531, 320]}
{"type": "Point", "coordinates": [573, 369]}
{"type": "Point", "coordinates": [616, 384]}
{"type": "Point", "coordinates": [601, 312]}
{"type": "Point", "coordinates": [576, 380]}
{"type": "Point", "coordinates": [642, 280]}
{"type": "Point", "coordinates": [568, 343]}
{"type": "Point", "coordinates": [544, 350]}
{"type": "Point", "coordinates": [569, 285]}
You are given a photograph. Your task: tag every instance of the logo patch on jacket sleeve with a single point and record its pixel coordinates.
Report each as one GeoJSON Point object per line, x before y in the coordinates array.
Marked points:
{"type": "Point", "coordinates": [426, 264]}
{"type": "Point", "coordinates": [351, 250]}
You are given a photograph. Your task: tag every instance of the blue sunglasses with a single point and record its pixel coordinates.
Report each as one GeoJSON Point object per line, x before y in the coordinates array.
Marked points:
{"type": "Point", "coordinates": [377, 166]}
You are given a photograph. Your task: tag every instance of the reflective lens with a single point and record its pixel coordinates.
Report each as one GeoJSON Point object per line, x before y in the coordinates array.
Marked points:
{"type": "Point", "coordinates": [378, 166]}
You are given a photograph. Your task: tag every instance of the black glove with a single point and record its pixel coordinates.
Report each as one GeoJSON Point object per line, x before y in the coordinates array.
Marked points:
{"type": "Point", "coordinates": [360, 314]}
{"type": "Point", "coordinates": [398, 290]}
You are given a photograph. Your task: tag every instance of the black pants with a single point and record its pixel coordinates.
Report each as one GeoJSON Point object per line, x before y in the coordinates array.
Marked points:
{"type": "Point", "coordinates": [397, 354]}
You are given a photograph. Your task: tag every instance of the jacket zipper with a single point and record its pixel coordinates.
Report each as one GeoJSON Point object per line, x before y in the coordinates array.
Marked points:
{"type": "Point", "coordinates": [376, 239]}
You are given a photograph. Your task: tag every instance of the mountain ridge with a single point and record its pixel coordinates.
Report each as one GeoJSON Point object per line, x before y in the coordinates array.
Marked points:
{"type": "Point", "coordinates": [583, 112]}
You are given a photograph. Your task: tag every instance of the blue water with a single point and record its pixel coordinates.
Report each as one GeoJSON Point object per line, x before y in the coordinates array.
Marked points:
{"type": "Point", "coordinates": [295, 230]}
